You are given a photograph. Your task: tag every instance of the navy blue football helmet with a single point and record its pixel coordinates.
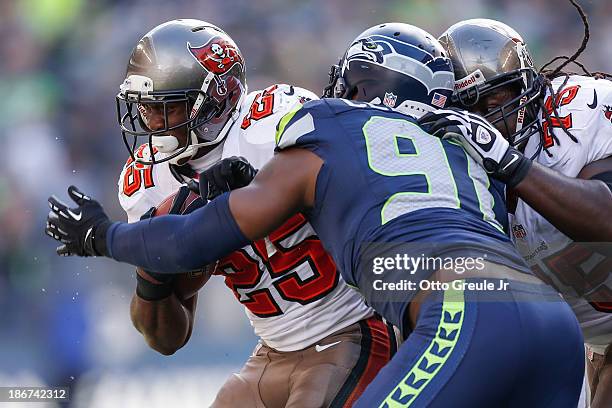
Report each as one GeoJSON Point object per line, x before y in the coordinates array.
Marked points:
{"type": "Point", "coordinates": [397, 65]}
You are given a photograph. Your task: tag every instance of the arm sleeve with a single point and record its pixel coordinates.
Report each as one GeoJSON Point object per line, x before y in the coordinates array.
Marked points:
{"type": "Point", "coordinates": [177, 243]}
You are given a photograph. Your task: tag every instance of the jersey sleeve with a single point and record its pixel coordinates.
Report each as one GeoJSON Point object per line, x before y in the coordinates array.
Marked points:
{"type": "Point", "coordinates": [141, 187]}
{"type": "Point", "coordinates": [299, 94]}
{"type": "Point", "coordinates": [262, 110]}
{"type": "Point", "coordinates": [583, 108]}
{"type": "Point", "coordinates": [301, 126]}
{"type": "Point", "coordinates": [591, 127]}
{"type": "Point", "coordinates": [267, 105]}
{"type": "Point", "coordinates": [600, 145]}
{"type": "Point", "coordinates": [132, 202]}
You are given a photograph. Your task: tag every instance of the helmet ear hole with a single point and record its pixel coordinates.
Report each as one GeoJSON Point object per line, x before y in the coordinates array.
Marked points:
{"type": "Point", "coordinates": [351, 93]}
{"type": "Point", "coordinates": [220, 109]}
{"type": "Point", "coordinates": [363, 95]}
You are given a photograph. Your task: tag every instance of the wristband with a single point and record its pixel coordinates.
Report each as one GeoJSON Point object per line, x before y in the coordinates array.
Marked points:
{"type": "Point", "coordinates": [99, 238]}
{"type": "Point", "coordinates": [147, 290]}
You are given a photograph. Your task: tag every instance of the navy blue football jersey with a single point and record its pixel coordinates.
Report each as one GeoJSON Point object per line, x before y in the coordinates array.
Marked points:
{"type": "Point", "coordinates": [385, 180]}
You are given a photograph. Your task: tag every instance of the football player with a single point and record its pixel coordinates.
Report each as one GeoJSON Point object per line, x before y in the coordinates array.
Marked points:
{"type": "Point", "coordinates": [185, 92]}
{"type": "Point", "coordinates": [423, 194]}
{"type": "Point", "coordinates": [563, 123]}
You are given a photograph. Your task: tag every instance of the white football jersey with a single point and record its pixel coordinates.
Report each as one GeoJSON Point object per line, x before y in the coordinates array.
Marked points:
{"type": "Point", "coordinates": [585, 107]}
{"type": "Point", "coordinates": [292, 292]}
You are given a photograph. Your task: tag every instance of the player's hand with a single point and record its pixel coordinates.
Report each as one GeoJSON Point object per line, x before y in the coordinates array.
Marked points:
{"type": "Point", "coordinates": [229, 174]}
{"type": "Point", "coordinates": [481, 140]}
{"type": "Point", "coordinates": [81, 230]}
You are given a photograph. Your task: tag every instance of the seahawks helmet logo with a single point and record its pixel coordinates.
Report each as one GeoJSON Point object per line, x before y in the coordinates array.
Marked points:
{"type": "Point", "coordinates": [405, 58]}
{"type": "Point", "coordinates": [365, 49]}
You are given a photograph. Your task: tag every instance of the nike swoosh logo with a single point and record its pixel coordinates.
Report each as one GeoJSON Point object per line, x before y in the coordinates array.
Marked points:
{"type": "Point", "coordinates": [593, 104]}
{"type": "Point", "coordinates": [88, 233]}
{"type": "Point", "coordinates": [75, 216]}
{"type": "Point", "coordinates": [514, 158]}
{"type": "Point", "coordinates": [326, 346]}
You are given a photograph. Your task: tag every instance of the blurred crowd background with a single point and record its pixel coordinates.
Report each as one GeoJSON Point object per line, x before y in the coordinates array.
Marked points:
{"type": "Point", "coordinates": [65, 321]}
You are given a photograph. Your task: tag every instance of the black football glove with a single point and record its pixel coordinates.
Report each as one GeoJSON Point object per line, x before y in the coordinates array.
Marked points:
{"type": "Point", "coordinates": [229, 174]}
{"type": "Point", "coordinates": [480, 140]}
{"type": "Point", "coordinates": [81, 230]}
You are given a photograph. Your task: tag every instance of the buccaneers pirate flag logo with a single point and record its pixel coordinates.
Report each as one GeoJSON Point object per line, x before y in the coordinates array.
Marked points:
{"type": "Point", "coordinates": [217, 56]}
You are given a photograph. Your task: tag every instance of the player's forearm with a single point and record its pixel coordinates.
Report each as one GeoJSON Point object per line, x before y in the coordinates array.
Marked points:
{"type": "Point", "coordinates": [177, 243]}
{"type": "Point", "coordinates": [581, 209]}
{"type": "Point", "coordinates": [165, 324]}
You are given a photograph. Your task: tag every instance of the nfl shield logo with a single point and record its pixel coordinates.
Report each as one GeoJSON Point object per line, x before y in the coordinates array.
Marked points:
{"type": "Point", "coordinates": [519, 231]}
{"type": "Point", "coordinates": [390, 99]}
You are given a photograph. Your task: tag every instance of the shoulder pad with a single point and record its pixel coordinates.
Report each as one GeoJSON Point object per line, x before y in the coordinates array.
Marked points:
{"type": "Point", "coordinates": [300, 121]}
{"type": "Point", "coordinates": [585, 107]}
{"type": "Point", "coordinates": [295, 92]}
{"type": "Point", "coordinates": [338, 106]}
{"type": "Point", "coordinates": [271, 103]}
{"type": "Point", "coordinates": [141, 187]}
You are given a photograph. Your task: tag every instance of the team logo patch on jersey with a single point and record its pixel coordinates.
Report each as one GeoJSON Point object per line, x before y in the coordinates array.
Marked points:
{"type": "Point", "coordinates": [519, 231]}
{"type": "Point", "coordinates": [608, 112]}
{"type": "Point", "coordinates": [390, 99]}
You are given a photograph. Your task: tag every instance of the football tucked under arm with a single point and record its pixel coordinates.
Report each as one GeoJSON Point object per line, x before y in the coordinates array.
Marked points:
{"type": "Point", "coordinates": [173, 243]}
{"type": "Point", "coordinates": [177, 243]}
{"type": "Point", "coordinates": [153, 286]}
{"type": "Point", "coordinates": [163, 307]}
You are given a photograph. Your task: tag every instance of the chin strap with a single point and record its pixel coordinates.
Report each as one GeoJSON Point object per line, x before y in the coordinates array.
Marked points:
{"type": "Point", "coordinates": [192, 149]}
{"type": "Point", "coordinates": [194, 146]}
{"type": "Point", "coordinates": [520, 116]}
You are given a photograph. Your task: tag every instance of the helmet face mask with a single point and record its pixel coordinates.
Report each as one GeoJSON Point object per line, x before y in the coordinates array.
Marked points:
{"type": "Point", "coordinates": [396, 65]}
{"type": "Point", "coordinates": [205, 82]}
{"type": "Point", "coordinates": [517, 116]}
{"type": "Point", "coordinates": [132, 113]}
{"type": "Point", "coordinates": [491, 59]}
